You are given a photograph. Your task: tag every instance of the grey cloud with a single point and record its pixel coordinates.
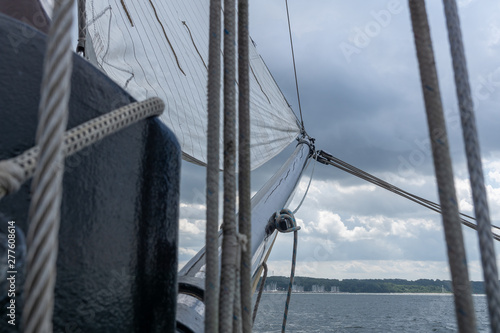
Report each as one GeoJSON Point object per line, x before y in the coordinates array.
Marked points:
{"type": "Point", "coordinates": [369, 112]}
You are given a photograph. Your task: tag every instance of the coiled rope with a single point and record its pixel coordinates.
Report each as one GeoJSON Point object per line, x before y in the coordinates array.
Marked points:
{"type": "Point", "coordinates": [44, 212]}
{"type": "Point", "coordinates": [229, 241]}
{"type": "Point", "coordinates": [212, 231]}
{"type": "Point", "coordinates": [488, 257]}
{"type": "Point", "coordinates": [244, 191]}
{"type": "Point", "coordinates": [15, 171]}
{"type": "Point", "coordinates": [442, 164]}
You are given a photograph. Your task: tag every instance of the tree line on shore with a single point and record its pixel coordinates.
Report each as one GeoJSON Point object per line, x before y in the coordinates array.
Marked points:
{"type": "Point", "coordinates": [280, 283]}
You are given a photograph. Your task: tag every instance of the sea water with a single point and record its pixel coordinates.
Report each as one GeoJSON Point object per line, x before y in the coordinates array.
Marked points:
{"type": "Point", "coordinates": [338, 312]}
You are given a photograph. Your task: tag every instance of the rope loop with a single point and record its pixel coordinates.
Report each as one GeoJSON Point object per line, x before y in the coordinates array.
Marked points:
{"type": "Point", "coordinates": [283, 221]}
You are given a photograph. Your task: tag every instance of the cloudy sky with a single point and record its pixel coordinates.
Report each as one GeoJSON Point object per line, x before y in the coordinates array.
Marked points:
{"type": "Point", "coordinates": [362, 101]}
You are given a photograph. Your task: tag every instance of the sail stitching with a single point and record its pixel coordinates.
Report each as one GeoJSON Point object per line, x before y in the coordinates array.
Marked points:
{"type": "Point", "coordinates": [104, 61]}
{"type": "Point", "coordinates": [259, 84]}
{"type": "Point", "coordinates": [98, 16]}
{"type": "Point", "coordinates": [143, 50]}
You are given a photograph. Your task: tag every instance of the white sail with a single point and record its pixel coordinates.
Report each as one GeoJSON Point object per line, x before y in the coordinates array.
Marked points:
{"type": "Point", "coordinates": [160, 48]}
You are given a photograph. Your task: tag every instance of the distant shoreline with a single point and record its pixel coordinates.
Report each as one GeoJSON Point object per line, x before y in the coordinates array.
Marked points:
{"type": "Point", "coordinates": [347, 293]}
{"type": "Point", "coordinates": [365, 286]}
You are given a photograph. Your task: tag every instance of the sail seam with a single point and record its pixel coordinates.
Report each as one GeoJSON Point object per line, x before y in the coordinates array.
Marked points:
{"type": "Point", "coordinates": [98, 16]}
{"type": "Point", "coordinates": [166, 37]}
{"type": "Point", "coordinates": [281, 180]}
{"type": "Point", "coordinates": [140, 60]}
{"type": "Point", "coordinates": [259, 84]}
{"type": "Point", "coordinates": [104, 61]}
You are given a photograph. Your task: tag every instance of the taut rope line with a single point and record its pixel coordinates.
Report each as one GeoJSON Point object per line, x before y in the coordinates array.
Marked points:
{"type": "Point", "coordinates": [15, 171]}
{"type": "Point", "coordinates": [328, 159]}
{"type": "Point", "coordinates": [45, 206]}
{"type": "Point", "coordinates": [488, 257]}
{"type": "Point", "coordinates": [212, 231]}
{"type": "Point", "coordinates": [244, 190]}
{"type": "Point", "coordinates": [294, 67]}
{"type": "Point", "coordinates": [464, 308]}
{"type": "Point", "coordinates": [229, 241]}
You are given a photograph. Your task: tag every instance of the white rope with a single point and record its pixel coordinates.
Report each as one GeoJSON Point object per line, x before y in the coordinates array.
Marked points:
{"type": "Point", "coordinates": [229, 242]}
{"type": "Point", "coordinates": [244, 191]}
{"type": "Point", "coordinates": [488, 257]}
{"type": "Point", "coordinates": [464, 308]}
{"type": "Point", "coordinates": [15, 171]}
{"type": "Point", "coordinates": [211, 237]}
{"type": "Point", "coordinates": [44, 213]}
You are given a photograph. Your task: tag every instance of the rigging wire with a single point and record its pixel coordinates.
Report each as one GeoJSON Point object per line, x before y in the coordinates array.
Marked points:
{"type": "Point", "coordinates": [294, 67]}
{"type": "Point", "coordinates": [328, 159]}
{"type": "Point", "coordinates": [464, 307]}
